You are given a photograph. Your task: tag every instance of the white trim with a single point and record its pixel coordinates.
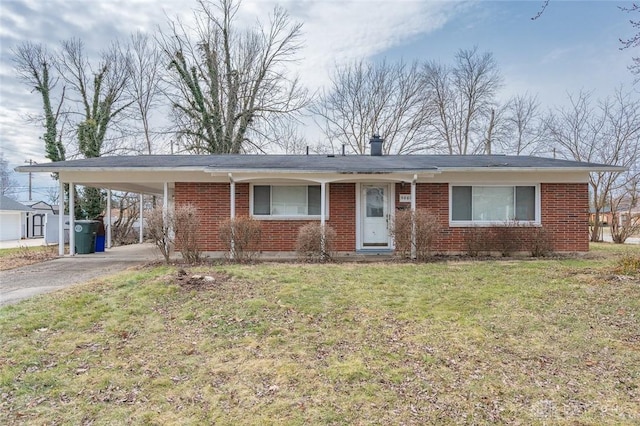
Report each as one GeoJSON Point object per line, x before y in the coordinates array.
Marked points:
{"type": "Point", "coordinates": [487, 223]}
{"type": "Point", "coordinates": [109, 233]}
{"type": "Point", "coordinates": [413, 217]}
{"type": "Point", "coordinates": [232, 215]}
{"type": "Point", "coordinates": [72, 219]}
{"type": "Point", "coordinates": [61, 219]}
{"type": "Point", "coordinates": [292, 217]}
{"type": "Point", "coordinates": [141, 227]}
{"type": "Point", "coordinates": [391, 203]}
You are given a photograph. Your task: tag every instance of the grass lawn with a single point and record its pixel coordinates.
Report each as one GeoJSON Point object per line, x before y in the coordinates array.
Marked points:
{"type": "Point", "coordinates": [552, 341]}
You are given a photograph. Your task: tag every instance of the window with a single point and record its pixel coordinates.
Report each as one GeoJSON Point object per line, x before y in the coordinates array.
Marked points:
{"type": "Point", "coordinates": [491, 204]}
{"type": "Point", "coordinates": [280, 200]}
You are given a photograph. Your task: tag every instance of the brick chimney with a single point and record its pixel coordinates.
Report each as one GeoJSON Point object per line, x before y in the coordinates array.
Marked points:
{"type": "Point", "coordinates": [376, 145]}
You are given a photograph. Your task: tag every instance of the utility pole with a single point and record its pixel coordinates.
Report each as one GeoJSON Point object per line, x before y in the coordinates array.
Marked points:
{"type": "Point", "coordinates": [31, 163]}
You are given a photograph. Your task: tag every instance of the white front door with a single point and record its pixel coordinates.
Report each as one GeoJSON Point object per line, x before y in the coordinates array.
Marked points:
{"type": "Point", "coordinates": [375, 215]}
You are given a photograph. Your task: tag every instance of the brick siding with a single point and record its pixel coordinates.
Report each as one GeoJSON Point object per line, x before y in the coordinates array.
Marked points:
{"type": "Point", "coordinates": [564, 215]}
{"type": "Point", "coordinates": [212, 202]}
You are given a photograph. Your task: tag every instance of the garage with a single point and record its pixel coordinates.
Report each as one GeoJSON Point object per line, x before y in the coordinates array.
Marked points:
{"type": "Point", "coordinates": [11, 213]}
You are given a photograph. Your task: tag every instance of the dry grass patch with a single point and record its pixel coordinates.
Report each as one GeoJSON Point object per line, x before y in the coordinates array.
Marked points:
{"type": "Point", "coordinates": [23, 256]}
{"type": "Point", "coordinates": [519, 342]}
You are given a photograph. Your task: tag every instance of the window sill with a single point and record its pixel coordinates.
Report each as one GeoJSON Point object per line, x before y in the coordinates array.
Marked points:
{"type": "Point", "coordinates": [486, 224]}
{"type": "Point", "coordinates": [287, 218]}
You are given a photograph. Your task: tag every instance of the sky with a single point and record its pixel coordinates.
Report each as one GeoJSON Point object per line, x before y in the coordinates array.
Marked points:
{"type": "Point", "coordinates": [573, 46]}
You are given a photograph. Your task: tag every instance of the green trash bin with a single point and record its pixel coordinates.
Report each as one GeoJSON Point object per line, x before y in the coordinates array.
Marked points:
{"type": "Point", "coordinates": [85, 233]}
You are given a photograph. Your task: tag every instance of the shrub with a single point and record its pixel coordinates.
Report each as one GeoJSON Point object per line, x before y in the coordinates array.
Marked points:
{"type": "Point", "coordinates": [179, 227]}
{"type": "Point", "coordinates": [628, 264]}
{"type": "Point", "coordinates": [186, 224]}
{"type": "Point", "coordinates": [241, 238]}
{"type": "Point", "coordinates": [540, 242]}
{"type": "Point", "coordinates": [401, 233]}
{"type": "Point", "coordinates": [309, 245]}
{"type": "Point", "coordinates": [158, 230]}
{"type": "Point", "coordinates": [506, 238]}
{"type": "Point", "coordinates": [476, 241]}
{"type": "Point", "coordinates": [426, 230]}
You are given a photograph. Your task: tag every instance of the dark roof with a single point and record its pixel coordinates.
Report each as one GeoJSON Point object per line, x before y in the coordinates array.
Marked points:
{"type": "Point", "coordinates": [7, 204]}
{"type": "Point", "coordinates": [318, 163]}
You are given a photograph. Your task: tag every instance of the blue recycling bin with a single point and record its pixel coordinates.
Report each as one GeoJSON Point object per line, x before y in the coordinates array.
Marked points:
{"type": "Point", "coordinates": [99, 243]}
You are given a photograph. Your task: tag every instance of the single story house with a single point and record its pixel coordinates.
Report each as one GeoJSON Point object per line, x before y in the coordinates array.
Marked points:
{"type": "Point", "coordinates": [357, 195]}
{"type": "Point", "coordinates": [11, 219]}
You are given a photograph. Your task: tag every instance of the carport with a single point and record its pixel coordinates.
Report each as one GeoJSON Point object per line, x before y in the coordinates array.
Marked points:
{"type": "Point", "coordinates": [109, 176]}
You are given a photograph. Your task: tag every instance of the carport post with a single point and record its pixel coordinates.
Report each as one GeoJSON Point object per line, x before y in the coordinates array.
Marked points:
{"type": "Point", "coordinates": [72, 218]}
{"type": "Point", "coordinates": [108, 218]}
{"type": "Point", "coordinates": [413, 216]}
{"type": "Point", "coordinates": [61, 219]}
{"type": "Point", "coordinates": [323, 239]}
{"type": "Point", "coordinates": [232, 214]}
{"type": "Point", "coordinates": [141, 227]}
{"type": "Point", "coordinates": [165, 216]}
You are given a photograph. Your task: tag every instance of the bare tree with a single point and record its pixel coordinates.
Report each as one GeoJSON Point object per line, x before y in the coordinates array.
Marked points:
{"type": "Point", "coordinates": [144, 68]}
{"type": "Point", "coordinates": [102, 92]}
{"type": "Point", "coordinates": [634, 40]}
{"type": "Point", "coordinates": [289, 139]}
{"type": "Point", "coordinates": [128, 211]}
{"type": "Point", "coordinates": [230, 85]}
{"type": "Point", "coordinates": [627, 43]}
{"type": "Point", "coordinates": [8, 185]}
{"type": "Point", "coordinates": [34, 65]}
{"type": "Point", "coordinates": [625, 218]}
{"type": "Point", "coordinates": [464, 98]}
{"type": "Point", "coordinates": [101, 98]}
{"type": "Point", "coordinates": [375, 98]}
{"type": "Point", "coordinates": [523, 127]}
{"type": "Point", "coordinates": [606, 132]}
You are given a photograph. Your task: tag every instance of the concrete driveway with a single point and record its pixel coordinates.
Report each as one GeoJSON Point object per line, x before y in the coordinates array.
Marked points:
{"type": "Point", "coordinates": [21, 283]}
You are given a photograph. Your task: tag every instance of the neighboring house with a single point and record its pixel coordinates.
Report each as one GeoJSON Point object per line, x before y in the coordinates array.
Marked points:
{"type": "Point", "coordinates": [36, 220]}
{"type": "Point", "coordinates": [357, 195]}
{"type": "Point", "coordinates": [11, 219]}
{"type": "Point", "coordinates": [605, 216]}
{"type": "Point", "coordinates": [629, 216]}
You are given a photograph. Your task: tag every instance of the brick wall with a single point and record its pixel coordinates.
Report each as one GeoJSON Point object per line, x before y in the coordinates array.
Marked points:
{"type": "Point", "coordinates": [212, 202]}
{"type": "Point", "coordinates": [564, 214]}
{"type": "Point", "coordinates": [342, 214]}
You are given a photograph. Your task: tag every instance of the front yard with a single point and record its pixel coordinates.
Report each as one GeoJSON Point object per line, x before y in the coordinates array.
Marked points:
{"type": "Point", "coordinates": [459, 342]}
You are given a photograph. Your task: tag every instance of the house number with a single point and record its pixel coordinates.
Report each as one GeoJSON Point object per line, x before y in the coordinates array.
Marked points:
{"type": "Point", "coordinates": [405, 198]}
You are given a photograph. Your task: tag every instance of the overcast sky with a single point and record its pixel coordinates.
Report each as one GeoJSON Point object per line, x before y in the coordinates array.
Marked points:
{"type": "Point", "coordinates": [572, 46]}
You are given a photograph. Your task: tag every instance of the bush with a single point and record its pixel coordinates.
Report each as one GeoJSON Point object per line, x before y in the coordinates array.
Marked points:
{"type": "Point", "coordinates": [309, 245]}
{"type": "Point", "coordinates": [186, 224]}
{"type": "Point", "coordinates": [506, 238]}
{"type": "Point", "coordinates": [158, 230]}
{"type": "Point", "coordinates": [179, 227]}
{"type": "Point", "coordinates": [426, 230]}
{"type": "Point", "coordinates": [476, 241]}
{"type": "Point", "coordinates": [401, 233]}
{"type": "Point", "coordinates": [241, 238]}
{"type": "Point", "coordinates": [629, 264]}
{"type": "Point", "coordinates": [540, 244]}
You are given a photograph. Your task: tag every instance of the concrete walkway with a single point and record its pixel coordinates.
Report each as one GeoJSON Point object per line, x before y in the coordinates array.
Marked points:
{"type": "Point", "coordinates": [21, 283]}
